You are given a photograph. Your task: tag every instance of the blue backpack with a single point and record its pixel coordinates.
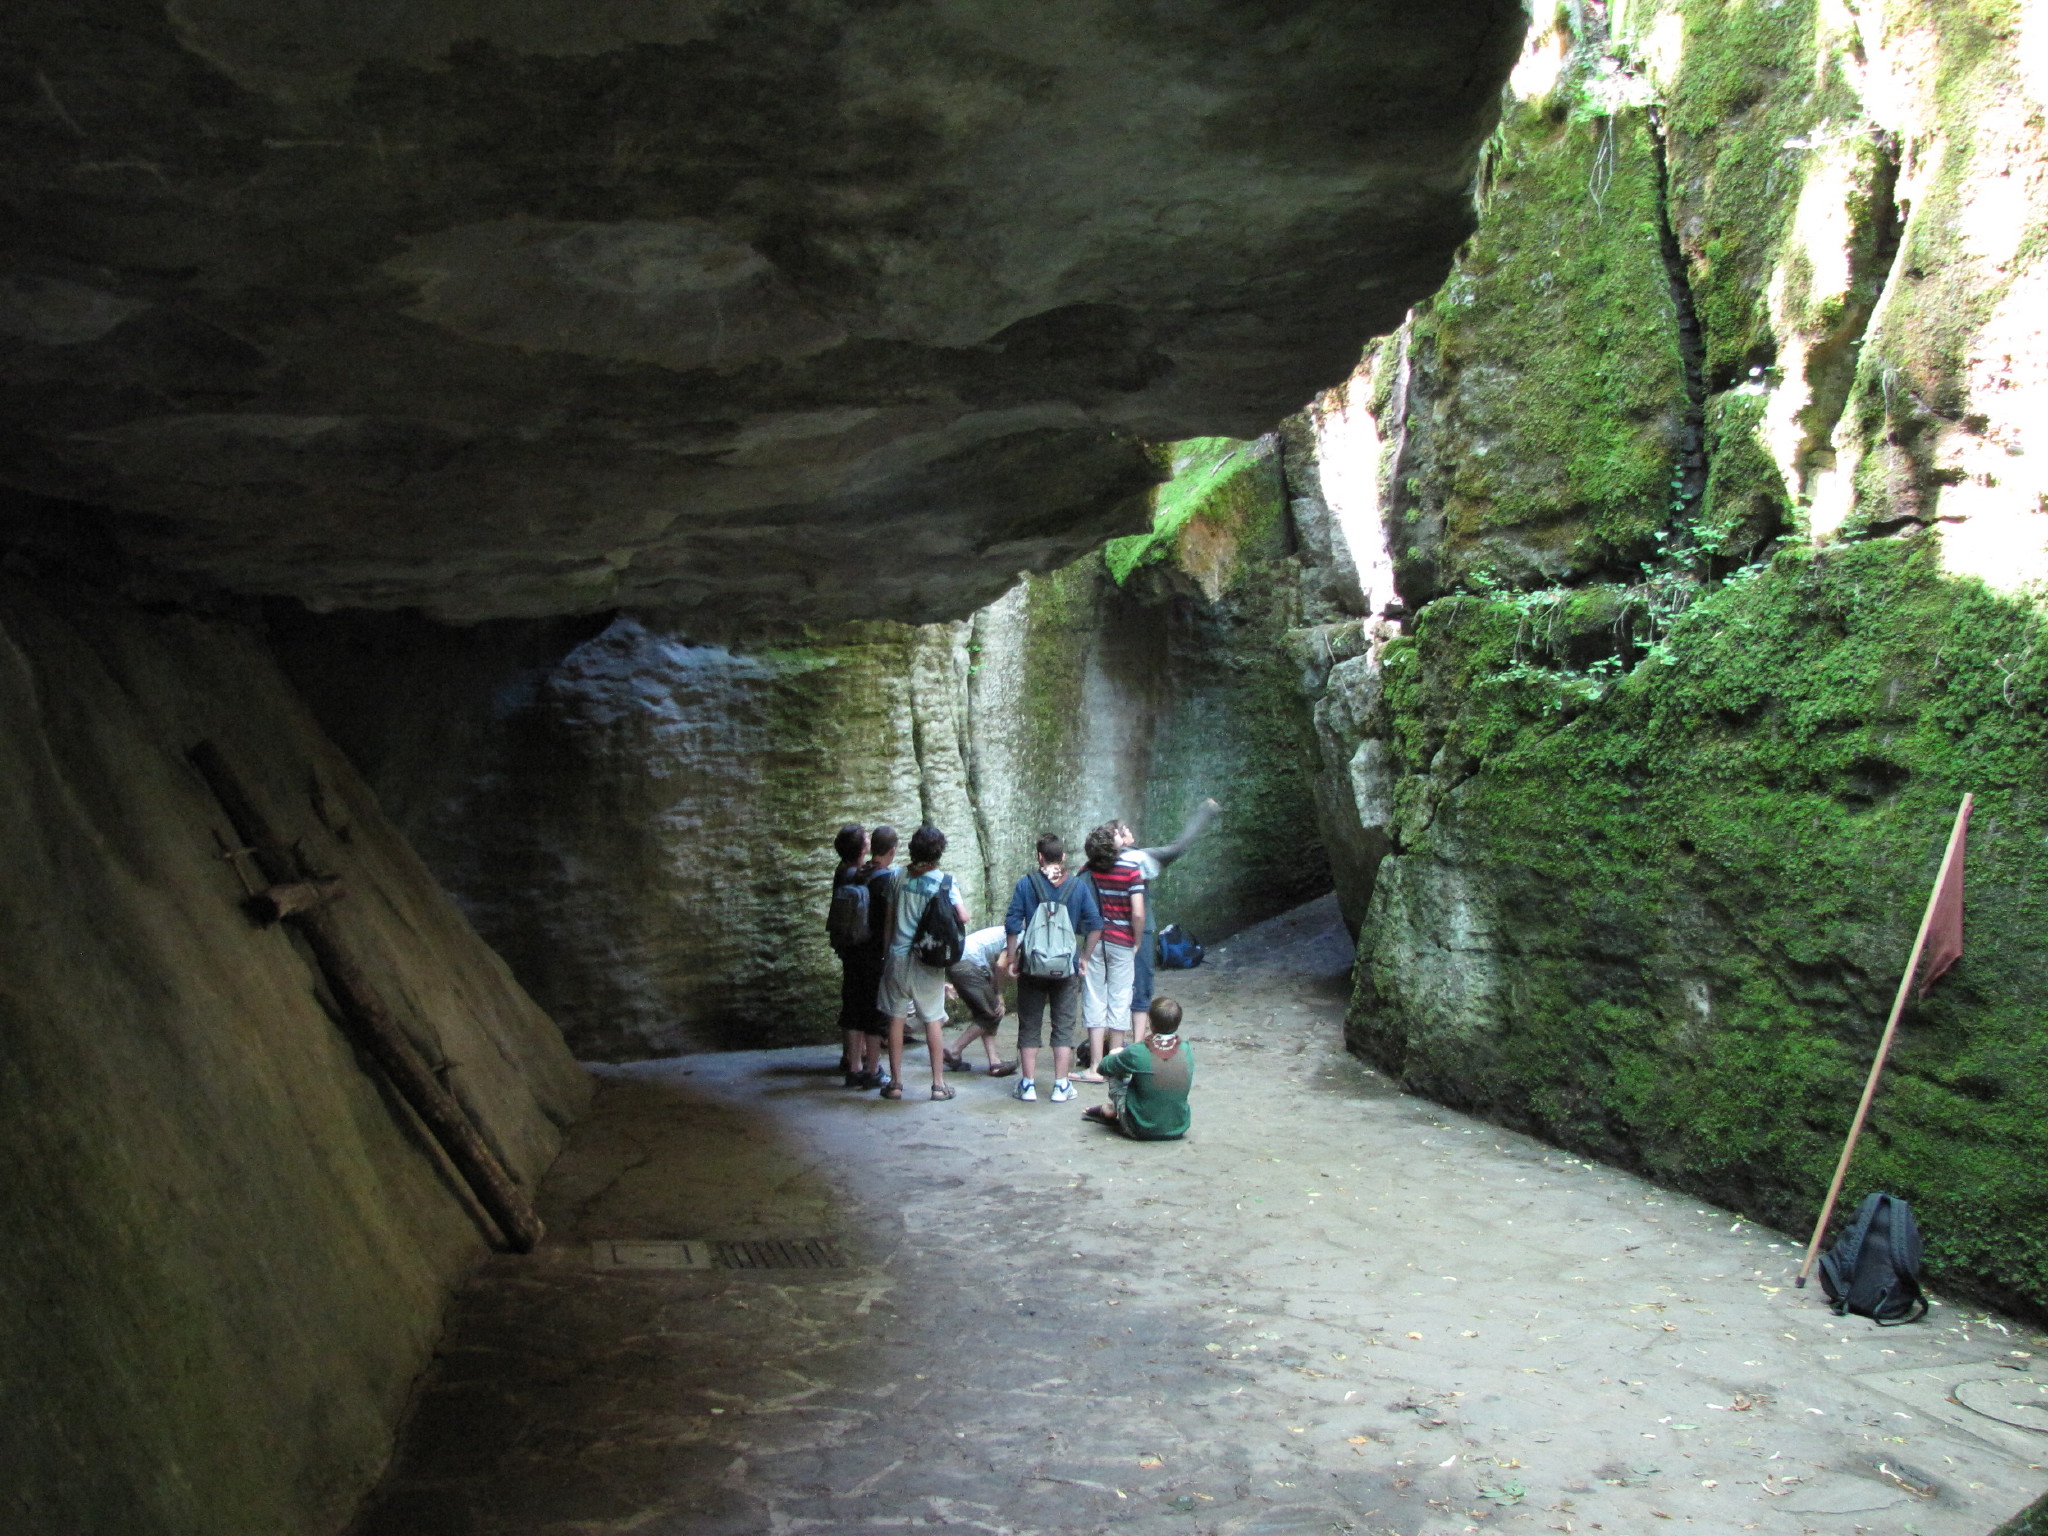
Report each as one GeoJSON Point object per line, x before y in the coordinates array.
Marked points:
{"type": "Point", "coordinates": [1178, 952]}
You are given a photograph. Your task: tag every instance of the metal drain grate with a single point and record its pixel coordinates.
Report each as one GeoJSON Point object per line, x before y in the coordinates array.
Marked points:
{"type": "Point", "coordinates": [765, 1253]}
{"type": "Point", "coordinates": [612, 1253]}
{"type": "Point", "coordinates": [779, 1253]}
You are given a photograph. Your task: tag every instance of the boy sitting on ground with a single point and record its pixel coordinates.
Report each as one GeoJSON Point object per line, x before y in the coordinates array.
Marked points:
{"type": "Point", "coordinates": [1149, 1081]}
{"type": "Point", "coordinates": [978, 982]}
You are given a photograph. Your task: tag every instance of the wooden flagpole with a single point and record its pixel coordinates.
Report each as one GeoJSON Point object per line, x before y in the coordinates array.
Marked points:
{"type": "Point", "coordinates": [1884, 1046]}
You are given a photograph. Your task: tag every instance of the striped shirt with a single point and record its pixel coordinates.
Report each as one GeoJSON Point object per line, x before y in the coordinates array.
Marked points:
{"type": "Point", "coordinates": [1114, 889]}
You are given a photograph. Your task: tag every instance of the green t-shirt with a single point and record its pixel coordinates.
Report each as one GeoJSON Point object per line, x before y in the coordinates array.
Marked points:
{"type": "Point", "coordinates": [1156, 1090]}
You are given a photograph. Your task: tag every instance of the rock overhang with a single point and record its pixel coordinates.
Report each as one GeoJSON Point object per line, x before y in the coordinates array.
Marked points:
{"type": "Point", "coordinates": [807, 311]}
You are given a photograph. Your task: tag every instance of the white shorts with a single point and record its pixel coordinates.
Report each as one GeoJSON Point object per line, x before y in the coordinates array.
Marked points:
{"type": "Point", "coordinates": [912, 990]}
{"type": "Point", "coordinates": [1106, 999]}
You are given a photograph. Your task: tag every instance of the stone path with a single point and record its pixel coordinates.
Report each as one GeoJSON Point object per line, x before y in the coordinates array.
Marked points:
{"type": "Point", "coordinates": [1335, 1309]}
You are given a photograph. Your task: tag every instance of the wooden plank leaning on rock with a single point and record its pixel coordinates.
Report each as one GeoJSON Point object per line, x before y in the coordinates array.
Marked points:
{"type": "Point", "coordinates": [305, 905]}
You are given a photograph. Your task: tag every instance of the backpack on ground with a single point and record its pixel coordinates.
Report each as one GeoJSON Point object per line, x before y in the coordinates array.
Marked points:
{"type": "Point", "coordinates": [1874, 1268]}
{"type": "Point", "coordinates": [1178, 952]}
{"type": "Point", "coordinates": [1049, 946]}
{"type": "Point", "coordinates": [846, 920]}
{"type": "Point", "coordinates": [940, 940]}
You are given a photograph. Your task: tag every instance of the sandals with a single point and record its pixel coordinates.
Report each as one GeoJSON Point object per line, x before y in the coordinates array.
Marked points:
{"type": "Point", "coordinates": [1100, 1113]}
{"type": "Point", "coordinates": [892, 1090]}
{"type": "Point", "coordinates": [942, 1092]}
{"type": "Point", "coordinates": [1003, 1069]}
{"type": "Point", "coordinates": [953, 1063]}
{"type": "Point", "coordinates": [1090, 1077]}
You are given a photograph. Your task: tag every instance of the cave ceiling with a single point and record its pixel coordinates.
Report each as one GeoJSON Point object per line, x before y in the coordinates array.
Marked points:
{"type": "Point", "coordinates": [806, 309]}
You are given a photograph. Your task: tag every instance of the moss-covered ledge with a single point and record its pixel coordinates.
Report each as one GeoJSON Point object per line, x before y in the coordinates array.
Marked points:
{"type": "Point", "coordinates": [1659, 920]}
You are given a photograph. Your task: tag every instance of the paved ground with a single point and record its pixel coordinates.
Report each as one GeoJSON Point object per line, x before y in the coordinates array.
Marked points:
{"type": "Point", "coordinates": [1334, 1309]}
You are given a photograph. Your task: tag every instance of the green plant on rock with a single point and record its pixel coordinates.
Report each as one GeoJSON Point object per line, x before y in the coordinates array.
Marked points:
{"type": "Point", "coordinates": [1228, 482]}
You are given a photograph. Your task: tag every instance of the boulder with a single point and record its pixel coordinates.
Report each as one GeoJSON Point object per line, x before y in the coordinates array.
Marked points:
{"type": "Point", "coordinates": [806, 311]}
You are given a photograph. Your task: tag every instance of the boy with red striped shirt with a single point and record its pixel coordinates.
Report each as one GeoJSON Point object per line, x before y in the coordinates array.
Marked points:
{"type": "Point", "coordinates": [1119, 884]}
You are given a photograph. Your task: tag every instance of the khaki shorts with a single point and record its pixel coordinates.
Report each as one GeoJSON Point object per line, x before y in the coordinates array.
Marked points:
{"type": "Point", "coordinates": [977, 987]}
{"type": "Point", "coordinates": [912, 990]}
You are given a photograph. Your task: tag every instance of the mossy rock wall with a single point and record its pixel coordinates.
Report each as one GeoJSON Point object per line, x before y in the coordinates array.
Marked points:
{"type": "Point", "coordinates": [1665, 929]}
{"type": "Point", "coordinates": [1543, 397]}
{"type": "Point", "coordinates": [1639, 831]}
{"type": "Point", "coordinates": [642, 822]}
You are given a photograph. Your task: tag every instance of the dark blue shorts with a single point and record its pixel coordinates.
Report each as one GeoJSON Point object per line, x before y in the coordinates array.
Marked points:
{"type": "Point", "coordinates": [1141, 976]}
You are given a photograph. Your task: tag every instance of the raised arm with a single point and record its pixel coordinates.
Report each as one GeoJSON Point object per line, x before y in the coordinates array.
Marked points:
{"type": "Point", "coordinates": [1198, 823]}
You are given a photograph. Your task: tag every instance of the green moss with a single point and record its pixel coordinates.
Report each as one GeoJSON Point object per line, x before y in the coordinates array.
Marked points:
{"type": "Point", "coordinates": [1239, 730]}
{"type": "Point", "coordinates": [1064, 615]}
{"type": "Point", "coordinates": [1745, 504]}
{"type": "Point", "coordinates": [1705, 885]}
{"type": "Point", "coordinates": [1553, 356]}
{"type": "Point", "coordinates": [1745, 87]}
{"type": "Point", "coordinates": [2031, 1521]}
{"type": "Point", "coordinates": [1226, 483]}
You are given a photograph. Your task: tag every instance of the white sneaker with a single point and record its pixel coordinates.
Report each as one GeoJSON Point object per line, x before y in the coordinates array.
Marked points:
{"type": "Point", "coordinates": [1063, 1091]}
{"type": "Point", "coordinates": [1025, 1091]}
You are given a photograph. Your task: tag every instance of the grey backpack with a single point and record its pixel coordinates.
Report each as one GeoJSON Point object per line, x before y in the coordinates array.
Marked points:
{"type": "Point", "coordinates": [1049, 946]}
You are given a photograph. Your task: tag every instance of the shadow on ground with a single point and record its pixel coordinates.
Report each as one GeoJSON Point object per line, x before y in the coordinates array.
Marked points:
{"type": "Point", "coordinates": [1336, 1308]}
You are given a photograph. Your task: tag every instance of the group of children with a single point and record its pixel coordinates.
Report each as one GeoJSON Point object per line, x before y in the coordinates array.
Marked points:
{"type": "Point", "coordinates": [1079, 946]}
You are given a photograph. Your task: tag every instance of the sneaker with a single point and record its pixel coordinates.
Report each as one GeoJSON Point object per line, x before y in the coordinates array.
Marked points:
{"type": "Point", "coordinates": [1063, 1091]}
{"type": "Point", "coordinates": [1025, 1091]}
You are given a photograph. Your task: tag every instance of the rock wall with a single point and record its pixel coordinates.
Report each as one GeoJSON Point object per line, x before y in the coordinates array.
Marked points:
{"type": "Point", "coordinates": [227, 1246]}
{"type": "Point", "coordinates": [1704, 484]}
{"type": "Point", "coordinates": [580, 304]}
{"type": "Point", "coordinates": [641, 821]}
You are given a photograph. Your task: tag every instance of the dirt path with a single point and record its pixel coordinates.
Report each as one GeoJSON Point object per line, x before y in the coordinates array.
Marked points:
{"type": "Point", "coordinates": [1336, 1308]}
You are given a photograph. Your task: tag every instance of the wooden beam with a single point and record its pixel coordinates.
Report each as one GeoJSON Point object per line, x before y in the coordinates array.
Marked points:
{"type": "Point", "coordinates": [370, 1024]}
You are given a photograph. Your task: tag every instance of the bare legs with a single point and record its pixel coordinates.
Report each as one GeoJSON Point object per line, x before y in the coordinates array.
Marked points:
{"type": "Point", "coordinates": [935, 1043]}
{"type": "Point", "coordinates": [986, 1033]}
{"type": "Point", "coordinates": [1095, 1054]}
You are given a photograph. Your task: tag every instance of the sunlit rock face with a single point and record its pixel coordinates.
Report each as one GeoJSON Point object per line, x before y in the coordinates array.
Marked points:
{"type": "Point", "coordinates": [811, 310]}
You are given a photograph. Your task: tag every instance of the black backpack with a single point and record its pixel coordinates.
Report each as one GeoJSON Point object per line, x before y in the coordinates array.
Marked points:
{"type": "Point", "coordinates": [1874, 1268]}
{"type": "Point", "coordinates": [846, 920]}
{"type": "Point", "coordinates": [939, 940]}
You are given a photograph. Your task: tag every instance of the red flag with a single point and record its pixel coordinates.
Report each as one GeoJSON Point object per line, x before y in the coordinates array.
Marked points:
{"type": "Point", "coordinates": [1945, 912]}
